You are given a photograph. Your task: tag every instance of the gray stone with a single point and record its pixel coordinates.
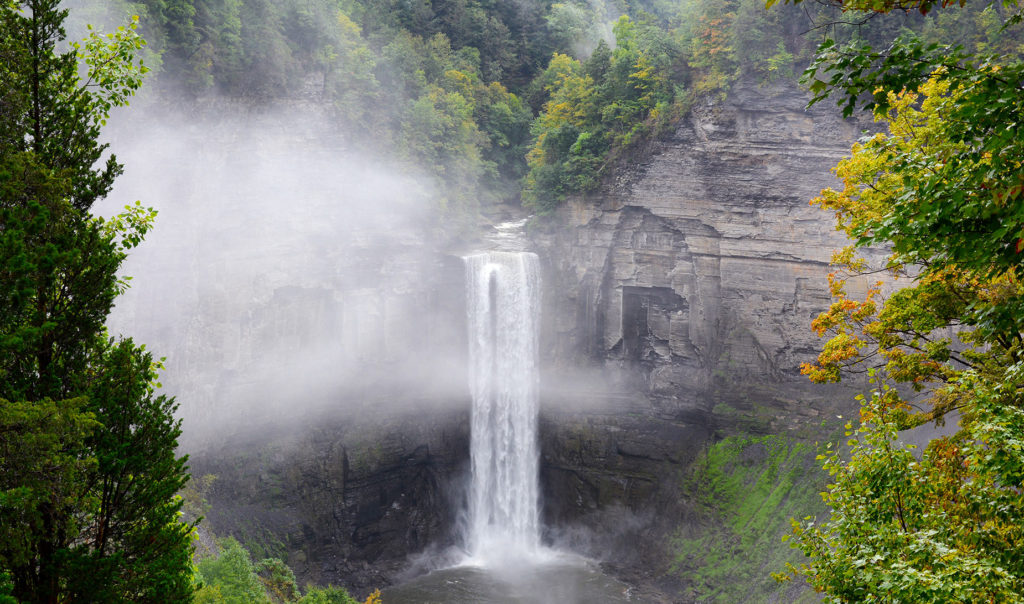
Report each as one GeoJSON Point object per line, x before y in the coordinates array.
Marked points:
{"type": "Point", "coordinates": [682, 294]}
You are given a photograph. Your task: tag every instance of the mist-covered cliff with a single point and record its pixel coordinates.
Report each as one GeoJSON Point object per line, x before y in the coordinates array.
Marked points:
{"type": "Point", "coordinates": [676, 311]}
{"type": "Point", "coordinates": [322, 168]}
{"type": "Point", "coordinates": [678, 306]}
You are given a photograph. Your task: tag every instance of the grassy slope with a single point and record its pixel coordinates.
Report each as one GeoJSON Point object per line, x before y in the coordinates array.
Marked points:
{"type": "Point", "coordinates": [746, 490]}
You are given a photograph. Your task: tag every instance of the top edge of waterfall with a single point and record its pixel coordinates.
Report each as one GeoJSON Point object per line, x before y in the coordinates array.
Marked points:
{"type": "Point", "coordinates": [508, 236]}
{"type": "Point", "coordinates": [496, 254]}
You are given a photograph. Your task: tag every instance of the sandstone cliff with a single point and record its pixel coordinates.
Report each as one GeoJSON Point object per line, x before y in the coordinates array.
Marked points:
{"type": "Point", "coordinates": [680, 298]}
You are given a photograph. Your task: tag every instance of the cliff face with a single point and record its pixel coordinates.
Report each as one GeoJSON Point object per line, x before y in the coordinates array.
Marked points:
{"type": "Point", "coordinates": [315, 336]}
{"type": "Point", "coordinates": [342, 501]}
{"type": "Point", "coordinates": [700, 268]}
{"type": "Point", "coordinates": [682, 296]}
{"type": "Point", "coordinates": [325, 370]}
{"type": "Point", "coordinates": [286, 275]}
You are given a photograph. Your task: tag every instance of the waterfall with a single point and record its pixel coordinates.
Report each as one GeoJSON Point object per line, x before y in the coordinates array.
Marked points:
{"type": "Point", "coordinates": [503, 311]}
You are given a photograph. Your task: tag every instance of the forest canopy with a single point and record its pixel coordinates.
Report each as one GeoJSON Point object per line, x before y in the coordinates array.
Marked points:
{"type": "Point", "coordinates": [506, 101]}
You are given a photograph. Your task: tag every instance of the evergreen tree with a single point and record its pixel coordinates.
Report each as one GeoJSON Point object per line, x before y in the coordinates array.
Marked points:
{"type": "Point", "coordinates": [88, 469]}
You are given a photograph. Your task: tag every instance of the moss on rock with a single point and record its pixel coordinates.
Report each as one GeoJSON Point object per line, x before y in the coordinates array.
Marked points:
{"type": "Point", "coordinates": [745, 490]}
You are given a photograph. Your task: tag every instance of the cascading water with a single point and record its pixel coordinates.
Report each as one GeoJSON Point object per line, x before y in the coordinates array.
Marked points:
{"type": "Point", "coordinates": [507, 564]}
{"type": "Point", "coordinates": [503, 312]}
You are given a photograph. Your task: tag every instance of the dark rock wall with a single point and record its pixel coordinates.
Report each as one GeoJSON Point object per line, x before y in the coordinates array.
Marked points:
{"type": "Point", "coordinates": [344, 501]}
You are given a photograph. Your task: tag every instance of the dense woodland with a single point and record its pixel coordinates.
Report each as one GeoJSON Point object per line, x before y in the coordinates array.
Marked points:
{"type": "Point", "coordinates": [501, 100]}
{"type": "Point", "coordinates": [531, 102]}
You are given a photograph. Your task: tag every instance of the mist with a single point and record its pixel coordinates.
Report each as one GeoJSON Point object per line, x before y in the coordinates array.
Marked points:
{"type": "Point", "coordinates": [287, 275]}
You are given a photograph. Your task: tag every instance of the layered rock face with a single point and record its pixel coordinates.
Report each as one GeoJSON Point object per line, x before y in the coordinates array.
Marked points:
{"type": "Point", "coordinates": [682, 295]}
{"type": "Point", "coordinates": [703, 264]}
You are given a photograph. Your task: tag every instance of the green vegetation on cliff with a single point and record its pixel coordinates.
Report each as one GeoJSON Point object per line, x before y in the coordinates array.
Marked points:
{"type": "Point", "coordinates": [434, 84]}
{"type": "Point", "coordinates": [493, 99]}
{"type": "Point", "coordinates": [453, 86]}
{"type": "Point", "coordinates": [608, 101]}
{"type": "Point", "coordinates": [744, 490]}
{"type": "Point", "coordinates": [657, 65]}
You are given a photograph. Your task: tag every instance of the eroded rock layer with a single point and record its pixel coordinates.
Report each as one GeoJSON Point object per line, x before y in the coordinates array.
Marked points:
{"type": "Point", "coordinates": [678, 308]}
{"type": "Point", "coordinates": [676, 312]}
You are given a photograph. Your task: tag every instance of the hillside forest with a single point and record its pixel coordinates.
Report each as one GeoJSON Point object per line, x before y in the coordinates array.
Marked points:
{"type": "Point", "coordinates": [525, 103]}
{"type": "Point", "coordinates": [506, 101]}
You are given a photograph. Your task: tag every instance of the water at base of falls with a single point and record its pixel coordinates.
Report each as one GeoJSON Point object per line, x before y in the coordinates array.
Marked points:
{"type": "Point", "coordinates": [502, 295]}
{"type": "Point", "coordinates": [561, 579]}
{"type": "Point", "coordinates": [505, 562]}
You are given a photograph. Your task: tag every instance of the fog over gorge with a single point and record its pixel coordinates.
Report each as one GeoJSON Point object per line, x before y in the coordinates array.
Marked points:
{"type": "Point", "coordinates": [286, 273]}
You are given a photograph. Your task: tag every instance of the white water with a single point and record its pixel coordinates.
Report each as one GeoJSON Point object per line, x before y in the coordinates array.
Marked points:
{"type": "Point", "coordinates": [503, 290]}
{"type": "Point", "coordinates": [506, 562]}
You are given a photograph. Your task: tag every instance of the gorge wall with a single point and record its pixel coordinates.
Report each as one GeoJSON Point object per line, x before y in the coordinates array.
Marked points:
{"type": "Point", "coordinates": [678, 303]}
{"type": "Point", "coordinates": [314, 332]}
{"type": "Point", "coordinates": [327, 384]}
{"type": "Point", "coordinates": [287, 275]}
{"type": "Point", "coordinates": [695, 275]}
{"type": "Point", "coordinates": [343, 501]}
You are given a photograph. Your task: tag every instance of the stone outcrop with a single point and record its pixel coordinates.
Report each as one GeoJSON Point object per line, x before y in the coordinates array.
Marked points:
{"type": "Point", "coordinates": [681, 296]}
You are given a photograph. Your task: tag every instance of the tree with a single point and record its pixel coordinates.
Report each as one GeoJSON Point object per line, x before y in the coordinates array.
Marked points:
{"type": "Point", "coordinates": [598, 109]}
{"type": "Point", "coordinates": [348, 72]}
{"type": "Point", "coordinates": [330, 595]}
{"type": "Point", "coordinates": [941, 189]}
{"type": "Point", "coordinates": [136, 549]}
{"type": "Point", "coordinates": [278, 579]}
{"type": "Point", "coordinates": [558, 166]}
{"type": "Point", "coordinates": [941, 527]}
{"type": "Point", "coordinates": [232, 576]}
{"type": "Point", "coordinates": [89, 469]}
{"type": "Point", "coordinates": [40, 486]}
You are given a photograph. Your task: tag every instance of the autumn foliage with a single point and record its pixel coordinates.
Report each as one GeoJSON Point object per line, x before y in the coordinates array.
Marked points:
{"type": "Point", "coordinates": [934, 204]}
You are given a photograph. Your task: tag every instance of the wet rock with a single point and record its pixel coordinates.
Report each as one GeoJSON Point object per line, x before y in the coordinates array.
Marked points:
{"type": "Point", "coordinates": [344, 502]}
